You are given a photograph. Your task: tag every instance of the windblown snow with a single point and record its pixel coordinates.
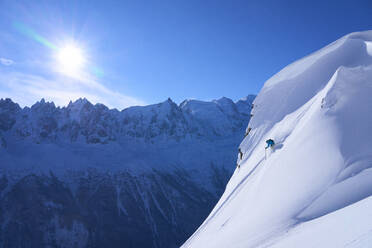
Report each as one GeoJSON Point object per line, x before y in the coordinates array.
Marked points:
{"type": "Point", "coordinates": [313, 189]}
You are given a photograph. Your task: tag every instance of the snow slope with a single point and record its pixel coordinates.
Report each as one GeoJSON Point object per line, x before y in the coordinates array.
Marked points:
{"type": "Point", "coordinates": [318, 112]}
{"type": "Point", "coordinates": [347, 227]}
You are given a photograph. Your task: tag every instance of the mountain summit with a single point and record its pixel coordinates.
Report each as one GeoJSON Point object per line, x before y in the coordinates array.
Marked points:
{"type": "Point", "coordinates": [312, 189]}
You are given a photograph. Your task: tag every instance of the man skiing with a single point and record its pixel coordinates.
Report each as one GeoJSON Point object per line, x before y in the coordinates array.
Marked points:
{"type": "Point", "coordinates": [270, 143]}
{"type": "Point", "coordinates": [240, 157]}
{"type": "Point", "coordinates": [240, 154]}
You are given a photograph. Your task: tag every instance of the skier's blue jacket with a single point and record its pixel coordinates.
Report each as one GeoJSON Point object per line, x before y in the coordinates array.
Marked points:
{"type": "Point", "coordinates": [270, 143]}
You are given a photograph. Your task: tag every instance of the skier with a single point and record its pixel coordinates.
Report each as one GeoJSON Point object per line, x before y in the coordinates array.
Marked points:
{"type": "Point", "coordinates": [240, 154]}
{"type": "Point", "coordinates": [270, 143]}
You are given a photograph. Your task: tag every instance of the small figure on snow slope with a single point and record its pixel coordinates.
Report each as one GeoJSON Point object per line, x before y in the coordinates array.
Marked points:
{"type": "Point", "coordinates": [240, 157]}
{"type": "Point", "coordinates": [270, 144]}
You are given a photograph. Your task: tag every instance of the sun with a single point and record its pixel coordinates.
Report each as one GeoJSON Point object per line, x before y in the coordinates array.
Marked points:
{"type": "Point", "coordinates": [70, 58]}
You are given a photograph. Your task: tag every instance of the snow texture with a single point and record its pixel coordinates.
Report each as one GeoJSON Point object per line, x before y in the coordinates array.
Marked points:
{"type": "Point", "coordinates": [307, 192]}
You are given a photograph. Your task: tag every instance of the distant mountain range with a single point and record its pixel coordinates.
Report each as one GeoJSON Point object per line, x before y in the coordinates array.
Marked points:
{"type": "Point", "coordinates": [88, 176]}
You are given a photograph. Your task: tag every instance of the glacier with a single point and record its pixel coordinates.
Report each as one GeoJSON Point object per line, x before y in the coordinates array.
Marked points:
{"type": "Point", "coordinates": [313, 189]}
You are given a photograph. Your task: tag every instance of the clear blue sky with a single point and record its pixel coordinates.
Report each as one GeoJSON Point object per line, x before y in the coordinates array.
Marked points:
{"type": "Point", "coordinates": [142, 52]}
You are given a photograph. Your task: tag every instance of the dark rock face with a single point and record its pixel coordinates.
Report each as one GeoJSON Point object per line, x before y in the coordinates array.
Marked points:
{"type": "Point", "coordinates": [154, 210]}
{"type": "Point", "coordinates": [88, 176]}
{"type": "Point", "coordinates": [8, 112]}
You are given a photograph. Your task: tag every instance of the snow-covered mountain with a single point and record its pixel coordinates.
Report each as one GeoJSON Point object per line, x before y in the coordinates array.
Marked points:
{"type": "Point", "coordinates": [313, 189]}
{"type": "Point", "coordinates": [88, 176]}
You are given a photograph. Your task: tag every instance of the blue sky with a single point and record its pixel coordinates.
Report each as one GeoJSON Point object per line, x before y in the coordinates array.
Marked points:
{"type": "Point", "coordinates": [142, 52]}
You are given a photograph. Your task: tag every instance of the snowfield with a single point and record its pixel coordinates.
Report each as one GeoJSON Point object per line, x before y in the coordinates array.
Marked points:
{"type": "Point", "coordinates": [348, 227]}
{"type": "Point", "coordinates": [312, 189]}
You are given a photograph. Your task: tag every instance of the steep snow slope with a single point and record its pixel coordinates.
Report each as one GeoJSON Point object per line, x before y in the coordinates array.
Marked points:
{"type": "Point", "coordinates": [347, 227]}
{"type": "Point", "coordinates": [318, 112]}
{"type": "Point", "coordinates": [97, 177]}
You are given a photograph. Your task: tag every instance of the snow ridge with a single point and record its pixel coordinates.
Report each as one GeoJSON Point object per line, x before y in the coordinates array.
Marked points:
{"type": "Point", "coordinates": [317, 110]}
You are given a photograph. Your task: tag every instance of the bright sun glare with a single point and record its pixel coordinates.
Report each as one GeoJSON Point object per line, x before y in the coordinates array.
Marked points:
{"type": "Point", "coordinates": [70, 58]}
